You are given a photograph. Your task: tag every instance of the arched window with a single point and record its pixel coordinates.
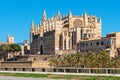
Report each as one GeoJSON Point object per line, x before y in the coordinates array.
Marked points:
{"type": "Point", "coordinates": [65, 44]}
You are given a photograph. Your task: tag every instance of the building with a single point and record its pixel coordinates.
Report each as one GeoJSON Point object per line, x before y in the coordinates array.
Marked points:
{"type": "Point", "coordinates": [110, 43]}
{"type": "Point", "coordinates": [60, 34]}
{"type": "Point", "coordinates": [25, 48]}
{"type": "Point", "coordinates": [10, 40]}
{"type": "Point", "coordinates": [8, 55]}
{"type": "Point", "coordinates": [3, 43]}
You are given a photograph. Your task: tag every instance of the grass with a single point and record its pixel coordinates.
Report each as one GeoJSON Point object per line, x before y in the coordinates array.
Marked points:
{"type": "Point", "coordinates": [66, 77]}
{"type": "Point", "coordinates": [24, 75]}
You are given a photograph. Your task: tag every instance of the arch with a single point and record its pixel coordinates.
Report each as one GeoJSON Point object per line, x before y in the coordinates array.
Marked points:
{"type": "Point", "coordinates": [81, 33]}
{"type": "Point", "coordinates": [41, 50]}
{"type": "Point", "coordinates": [65, 44]}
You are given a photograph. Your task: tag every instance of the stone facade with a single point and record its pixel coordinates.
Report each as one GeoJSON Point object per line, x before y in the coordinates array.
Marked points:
{"type": "Point", "coordinates": [63, 33]}
{"type": "Point", "coordinates": [24, 64]}
{"type": "Point", "coordinates": [110, 43]}
{"type": "Point", "coordinates": [28, 61]}
{"type": "Point", "coordinates": [10, 39]}
{"type": "Point", "coordinates": [25, 48]}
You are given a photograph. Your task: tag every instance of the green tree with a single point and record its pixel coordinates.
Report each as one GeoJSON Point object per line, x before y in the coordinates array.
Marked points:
{"type": "Point", "coordinates": [4, 49]}
{"type": "Point", "coordinates": [87, 60]}
{"type": "Point", "coordinates": [103, 59]}
{"type": "Point", "coordinates": [14, 48]}
{"type": "Point", "coordinates": [115, 62]}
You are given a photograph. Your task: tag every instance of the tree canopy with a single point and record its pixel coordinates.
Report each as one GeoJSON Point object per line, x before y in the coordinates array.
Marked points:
{"type": "Point", "coordinates": [9, 48]}
{"type": "Point", "coordinates": [86, 60]}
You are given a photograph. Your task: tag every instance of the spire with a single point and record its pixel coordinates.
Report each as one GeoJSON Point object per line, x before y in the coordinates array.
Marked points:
{"type": "Point", "coordinates": [32, 30]}
{"type": "Point", "coordinates": [59, 16]}
{"type": "Point", "coordinates": [85, 14]}
{"type": "Point", "coordinates": [44, 13]}
{"type": "Point", "coordinates": [70, 14]}
{"type": "Point", "coordinates": [58, 13]}
{"type": "Point", "coordinates": [7, 36]}
{"type": "Point", "coordinates": [44, 16]}
{"type": "Point", "coordinates": [85, 18]}
{"type": "Point", "coordinates": [32, 25]}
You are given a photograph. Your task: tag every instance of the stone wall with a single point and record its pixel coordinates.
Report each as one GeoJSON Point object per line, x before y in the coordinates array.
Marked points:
{"type": "Point", "coordinates": [64, 52]}
{"type": "Point", "coordinates": [24, 64]}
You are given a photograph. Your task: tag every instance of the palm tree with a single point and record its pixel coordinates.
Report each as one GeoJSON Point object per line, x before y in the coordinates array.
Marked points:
{"type": "Point", "coordinates": [116, 62]}
{"type": "Point", "coordinates": [91, 60]}
{"type": "Point", "coordinates": [103, 59]}
{"type": "Point", "coordinates": [88, 60]}
{"type": "Point", "coordinates": [53, 62]}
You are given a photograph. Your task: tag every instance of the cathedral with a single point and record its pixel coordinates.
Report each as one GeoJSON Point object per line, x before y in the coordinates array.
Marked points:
{"type": "Point", "coordinates": [60, 34]}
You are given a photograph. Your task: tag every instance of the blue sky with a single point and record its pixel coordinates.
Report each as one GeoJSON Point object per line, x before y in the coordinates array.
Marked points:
{"type": "Point", "coordinates": [16, 15]}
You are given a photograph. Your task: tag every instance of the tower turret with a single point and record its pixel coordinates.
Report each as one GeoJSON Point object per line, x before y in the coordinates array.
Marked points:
{"type": "Point", "coordinates": [70, 14]}
{"type": "Point", "coordinates": [85, 18]}
{"type": "Point", "coordinates": [70, 19]}
{"type": "Point", "coordinates": [32, 27]}
{"type": "Point", "coordinates": [32, 30]}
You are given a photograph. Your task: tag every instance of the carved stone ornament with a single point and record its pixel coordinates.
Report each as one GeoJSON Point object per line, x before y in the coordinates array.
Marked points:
{"type": "Point", "coordinates": [77, 23]}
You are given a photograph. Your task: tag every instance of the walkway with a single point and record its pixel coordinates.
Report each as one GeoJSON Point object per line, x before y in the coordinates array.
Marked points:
{"type": "Point", "coordinates": [22, 78]}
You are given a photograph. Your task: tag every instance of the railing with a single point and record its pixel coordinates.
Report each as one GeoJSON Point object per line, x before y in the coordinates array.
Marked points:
{"type": "Point", "coordinates": [67, 70]}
